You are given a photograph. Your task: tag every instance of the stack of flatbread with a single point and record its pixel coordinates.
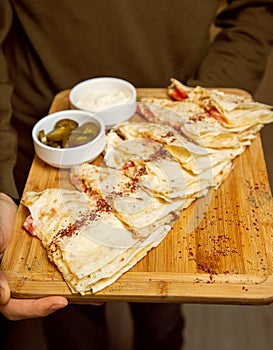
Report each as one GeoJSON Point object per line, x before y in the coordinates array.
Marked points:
{"type": "Point", "coordinates": [151, 171]}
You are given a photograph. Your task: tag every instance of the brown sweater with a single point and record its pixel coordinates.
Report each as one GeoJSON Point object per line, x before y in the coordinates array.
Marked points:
{"type": "Point", "coordinates": [48, 46]}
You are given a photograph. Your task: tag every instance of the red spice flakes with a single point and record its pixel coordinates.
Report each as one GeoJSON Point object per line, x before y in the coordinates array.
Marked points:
{"type": "Point", "coordinates": [160, 153]}
{"type": "Point", "coordinates": [169, 134]}
{"type": "Point", "coordinates": [128, 188]}
{"type": "Point", "coordinates": [72, 228]}
{"type": "Point", "coordinates": [102, 205]}
{"type": "Point", "coordinates": [66, 232]}
{"type": "Point", "coordinates": [211, 279]}
{"type": "Point", "coordinates": [197, 117]}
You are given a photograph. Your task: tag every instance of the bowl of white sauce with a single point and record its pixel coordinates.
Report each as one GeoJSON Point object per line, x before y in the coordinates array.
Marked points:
{"type": "Point", "coordinates": [112, 99]}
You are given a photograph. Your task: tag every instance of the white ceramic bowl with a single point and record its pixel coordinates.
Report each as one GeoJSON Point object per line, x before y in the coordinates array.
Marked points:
{"type": "Point", "coordinates": [112, 99]}
{"type": "Point", "coordinates": [68, 157]}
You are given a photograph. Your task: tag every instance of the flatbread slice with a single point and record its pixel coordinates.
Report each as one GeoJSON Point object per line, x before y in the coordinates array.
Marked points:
{"type": "Point", "coordinates": [193, 158]}
{"type": "Point", "coordinates": [132, 202]}
{"type": "Point", "coordinates": [89, 245]}
{"type": "Point", "coordinates": [189, 119]}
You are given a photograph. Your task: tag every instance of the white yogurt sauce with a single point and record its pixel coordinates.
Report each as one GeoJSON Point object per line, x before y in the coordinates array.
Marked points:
{"type": "Point", "coordinates": [99, 100]}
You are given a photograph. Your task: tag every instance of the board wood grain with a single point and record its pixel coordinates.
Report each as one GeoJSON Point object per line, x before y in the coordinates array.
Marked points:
{"type": "Point", "coordinates": [219, 250]}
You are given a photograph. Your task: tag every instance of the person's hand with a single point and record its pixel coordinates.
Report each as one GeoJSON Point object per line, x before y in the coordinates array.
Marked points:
{"type": "Point", "coordinates": [17, 309]}
{"type": "Point", "coordinates": [7, 216]}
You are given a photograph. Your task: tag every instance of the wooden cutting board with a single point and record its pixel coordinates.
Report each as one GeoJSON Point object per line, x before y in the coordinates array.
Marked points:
{"type": "Point", "coordinates": [219, 251]}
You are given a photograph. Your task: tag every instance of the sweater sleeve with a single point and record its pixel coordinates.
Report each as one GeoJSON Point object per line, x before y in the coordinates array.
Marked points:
{"type": "Point", "coordinates": [238, 55]}
{"type": "Point", "coordinates": [8, 140]}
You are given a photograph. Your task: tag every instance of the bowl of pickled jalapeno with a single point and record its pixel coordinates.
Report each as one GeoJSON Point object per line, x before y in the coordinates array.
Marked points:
{"type": "Point", "coordinates": [67, 138]}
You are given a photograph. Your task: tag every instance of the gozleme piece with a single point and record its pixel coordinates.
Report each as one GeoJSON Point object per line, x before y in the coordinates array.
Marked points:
{"type": "Point", "coordinates": [193, 158]}
{"type": "Point", "coordinates": [234, 111]}
{"type": "Point", "coordinates": [89, 245]}
{"type": "Point", "coordinates": [196, 123]}
{"type": "Point", "coordinates": [128, 197]}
